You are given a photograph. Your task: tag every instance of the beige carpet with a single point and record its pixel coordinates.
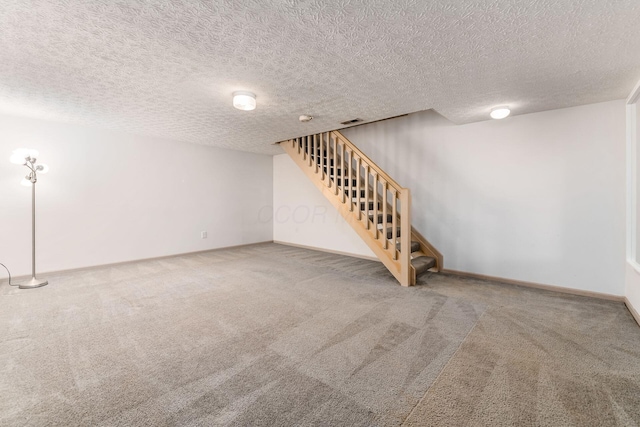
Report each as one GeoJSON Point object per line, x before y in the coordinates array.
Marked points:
{"type": "Point", "coordinates": [274, 335]}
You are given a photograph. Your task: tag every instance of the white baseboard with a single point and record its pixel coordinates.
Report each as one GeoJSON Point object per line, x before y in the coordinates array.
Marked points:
{"type": "Point", "coordinates": [314, 248]}
{"type": "Point", "coordinates": [113, 264]}
{"type": "Point", "coordinates": [553, 288]}
{"type": "Point", "coordinates": [571, 291]}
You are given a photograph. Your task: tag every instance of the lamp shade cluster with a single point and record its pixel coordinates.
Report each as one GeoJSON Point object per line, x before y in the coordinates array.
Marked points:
{"type": "Point", "coordinates": [28, 157]}
{"type": "Point", "coordinates": [19, 156]}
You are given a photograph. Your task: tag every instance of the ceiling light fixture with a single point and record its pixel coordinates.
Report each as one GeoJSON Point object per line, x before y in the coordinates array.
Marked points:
{"type": "Point", "coordinates": [305, 118]}
{"type": "Point", "coordinates": [245, 101]}
{"type": "Point", "coordinates": [500, 112]}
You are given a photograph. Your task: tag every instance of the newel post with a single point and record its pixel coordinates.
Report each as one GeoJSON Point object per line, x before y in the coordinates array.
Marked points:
{"type": "Point", "coordinates": [405, 236]}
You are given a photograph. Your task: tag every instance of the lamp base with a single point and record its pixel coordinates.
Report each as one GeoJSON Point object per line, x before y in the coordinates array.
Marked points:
{"type": "Point", "coordinates": [33, 283]}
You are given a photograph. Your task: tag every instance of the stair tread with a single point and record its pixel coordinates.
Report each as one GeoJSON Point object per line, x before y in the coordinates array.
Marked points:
{"type": "Point", "coordinates": [423, 263]}
{"type": "Point", "coordinates": [415, 246]}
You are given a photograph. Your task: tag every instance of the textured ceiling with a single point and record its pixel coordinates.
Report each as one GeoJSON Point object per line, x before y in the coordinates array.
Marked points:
{"type": "Point", "coordinates": [168, 68]}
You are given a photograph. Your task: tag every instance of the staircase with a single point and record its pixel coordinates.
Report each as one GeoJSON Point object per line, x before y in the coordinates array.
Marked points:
{"type": "Point", "coordinates": [373, 204]}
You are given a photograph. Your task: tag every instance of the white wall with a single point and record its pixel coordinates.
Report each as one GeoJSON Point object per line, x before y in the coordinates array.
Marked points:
{"type": "Point", "coordinates": [303, 216]}
{"type": "Point", "coordinates": [112, 197]}
{"type": "Point", "coordinates": [537, 197]}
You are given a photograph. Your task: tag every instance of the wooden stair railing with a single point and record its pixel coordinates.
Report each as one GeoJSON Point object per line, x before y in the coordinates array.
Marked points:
{"type": "Point", "coordinates": [372, 202]}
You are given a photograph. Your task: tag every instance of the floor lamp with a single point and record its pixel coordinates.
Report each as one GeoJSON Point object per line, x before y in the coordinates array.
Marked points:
{"type": "Point", "coordinates": [27, 157]}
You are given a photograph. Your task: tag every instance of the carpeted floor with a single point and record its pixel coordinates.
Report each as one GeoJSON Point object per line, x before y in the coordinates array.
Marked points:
{"type": "Point", "coordinates": [270, 335]}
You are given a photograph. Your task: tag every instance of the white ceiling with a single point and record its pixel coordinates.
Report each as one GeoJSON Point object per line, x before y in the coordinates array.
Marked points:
{"type": "Point", "coordinates": [168, 68]}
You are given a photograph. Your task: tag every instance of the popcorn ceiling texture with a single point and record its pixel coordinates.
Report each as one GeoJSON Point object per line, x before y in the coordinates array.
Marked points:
{"type": "Point", "coordinates": [168, 68]}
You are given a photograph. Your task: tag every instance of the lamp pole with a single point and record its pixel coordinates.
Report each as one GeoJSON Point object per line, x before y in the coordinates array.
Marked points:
{"type": "Point", "coordinates": [34, 282]}
{"type": "Point", "coordinates": [28, 159]}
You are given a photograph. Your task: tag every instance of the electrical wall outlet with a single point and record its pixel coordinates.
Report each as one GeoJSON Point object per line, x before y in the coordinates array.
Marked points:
{"type": "Point", "coordinates": [203, 235]}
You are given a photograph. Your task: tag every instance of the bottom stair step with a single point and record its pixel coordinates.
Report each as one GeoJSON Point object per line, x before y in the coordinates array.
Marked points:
{"type": "Point", "coordinates": [422, 264]}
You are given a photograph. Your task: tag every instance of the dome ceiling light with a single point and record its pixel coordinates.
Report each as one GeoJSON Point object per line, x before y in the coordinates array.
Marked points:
{"type": "Point", "coordinates": [245, 101]}
{"type": "Point", "coordinates": [500, 112]}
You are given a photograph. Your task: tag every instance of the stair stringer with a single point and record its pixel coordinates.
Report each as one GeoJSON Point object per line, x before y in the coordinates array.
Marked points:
{"type": "Point", "coordinates": [428, 249]}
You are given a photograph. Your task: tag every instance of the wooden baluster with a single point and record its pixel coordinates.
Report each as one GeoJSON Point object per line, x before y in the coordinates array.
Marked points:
{"type": "Point", "coordinates": [314, 156]}
{"type": "Point", "coordinates": [330, 163]}
{"type": "Point", "coordinates": [339, 160]}
{"type": "Point", "coordinates": [366, 193]}
{"type": "Point", "coordinates": [405, 237]}
{"type": "Point", "coordinates": [349, 177]}
{"type": "Point", "coordinates": [351, 181]}
{"type": "Point", "coordinates": [321, 159]}
{"type": "Point", "coordinates": [326, 158]}
{"type": "Point", "coordinates": [318, 152]}
{"type": "Point", "coordinates": [394, 221]}
{"type": "Point", "coordinates": [319, 148]}
{"type": "Point", "coordinates": [384, 213]}
{"type": "Point", "coordinates": [334, 156]}
{"type": "Point", "coordinates": [321, 156]}
{"type": "Point", "coordinates": [304, 148]}
{"type": "Point", "coordinates": [358, 178]}
{"type": "Point", "coordinates": [344, 173]}
{"type": "Point", "coordinates": [336, 163]}
{"type": "Point", "coordinates": [325, 161]}
{"type": "Point", "coordinates": [375, 204]}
